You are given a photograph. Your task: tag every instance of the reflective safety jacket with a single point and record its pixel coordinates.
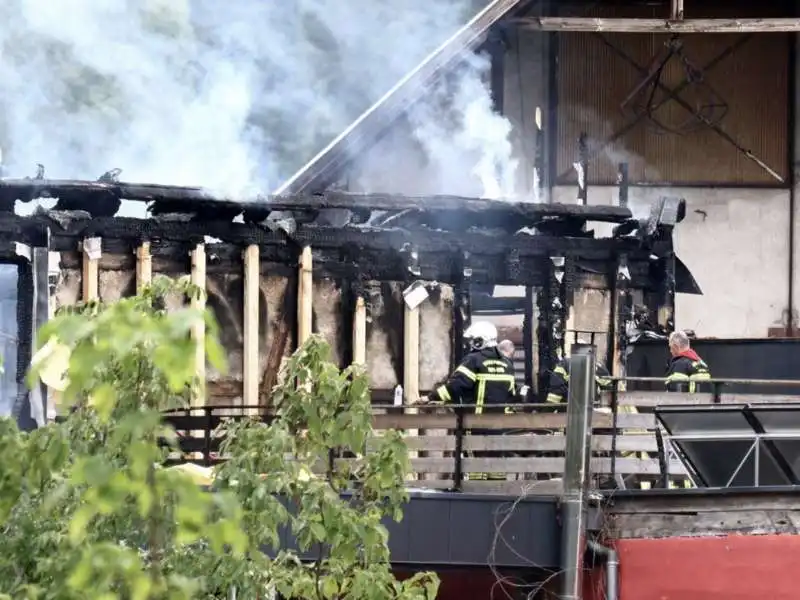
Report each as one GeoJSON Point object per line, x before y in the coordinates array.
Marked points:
{"type": "Point", "coordinates": [559, 381]}
{"type": "Point", "coordinates": [484, 378]}
{"type": "Point", "coordinates": [686, 372]}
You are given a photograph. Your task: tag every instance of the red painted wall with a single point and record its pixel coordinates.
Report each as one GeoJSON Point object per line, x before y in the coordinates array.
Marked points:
{"type": "Point", "coordinates": [733, 567]}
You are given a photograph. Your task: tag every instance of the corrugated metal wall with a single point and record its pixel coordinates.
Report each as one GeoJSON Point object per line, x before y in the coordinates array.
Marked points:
{"type": "Point", "coordinates": [8, 338]}
{"type": "Point", "coordinates": [593, 81]}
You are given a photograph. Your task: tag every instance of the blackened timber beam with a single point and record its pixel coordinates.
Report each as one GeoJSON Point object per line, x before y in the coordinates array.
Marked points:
{"type": "Point", "coordinates": [90, 196]}
{"type": "Point", "coordinates": [24, 229]}
{"type": "Point", "coordinates": [529, 211]}
{"type": "Point", "coordinates": [631, 25]}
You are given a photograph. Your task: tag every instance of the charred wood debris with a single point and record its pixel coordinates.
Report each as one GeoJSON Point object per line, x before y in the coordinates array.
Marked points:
{"type": "Point", "coordinates": [354, 236]}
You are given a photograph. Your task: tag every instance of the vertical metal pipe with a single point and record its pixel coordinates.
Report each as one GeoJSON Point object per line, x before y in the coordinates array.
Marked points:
{"type": "Point", "coordinates": [576, 473]}
{"type": "Point", "coordinates": [623, 183]}
{"type": "Point", "coordinates": [611, 558]}
{"type": "Point", "coordinates": [582, 167]}
{"type": "Point", "coordinates": [794, 144]}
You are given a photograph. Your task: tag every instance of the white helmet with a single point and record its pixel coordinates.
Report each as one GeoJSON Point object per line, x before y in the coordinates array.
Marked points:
{"type": "Point", "coordinates": [480, 335]}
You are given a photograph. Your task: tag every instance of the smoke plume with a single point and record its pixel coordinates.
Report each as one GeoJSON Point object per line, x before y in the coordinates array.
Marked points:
{"type": "Point", "coordinates": [236, 95]}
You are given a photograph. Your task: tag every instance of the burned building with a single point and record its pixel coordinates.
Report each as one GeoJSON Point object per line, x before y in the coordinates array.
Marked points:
{"type": "Point", "coordinates": [333, 263]}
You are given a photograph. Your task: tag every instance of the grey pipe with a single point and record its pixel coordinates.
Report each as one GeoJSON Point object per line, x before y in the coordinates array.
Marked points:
{"type": "Point", "coordinates": [611, 559]}
{"type": "Point", "coordinates": [576, 473]}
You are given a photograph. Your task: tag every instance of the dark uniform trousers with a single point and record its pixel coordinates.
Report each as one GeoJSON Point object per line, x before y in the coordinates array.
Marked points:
{"type": "Point", "coordinates": [486, 379]}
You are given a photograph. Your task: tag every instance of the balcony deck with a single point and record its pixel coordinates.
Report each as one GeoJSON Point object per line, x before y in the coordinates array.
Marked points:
{"type": "Point", "coordinates": [522, 453]}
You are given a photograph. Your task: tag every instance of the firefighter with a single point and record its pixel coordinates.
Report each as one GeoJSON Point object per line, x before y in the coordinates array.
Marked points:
{"type": "Point", "coordinates": [686, 373]}
{"type": "Point", "coordinates": [484, 378]}
{"type": "Point", "coordinates": [559, 380]}
{"type": "Point", "coordinates": [686, 370]}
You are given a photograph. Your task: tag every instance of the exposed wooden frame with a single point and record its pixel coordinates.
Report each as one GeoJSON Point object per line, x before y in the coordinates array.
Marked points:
{"type": "Point", "coordinates": [144, 266]}
{"type": "Point", "coordinates": [91, 249]}
{"type": "Point", "coordinates": [411, 322]}
{"type": "Point", "coordinates": [252, 295]}
{"type": "Point", "coordinates": [360, 332]}
{"type": "Point", "coordinates": [631, 25]}
{"type": "Point", "coordinates": [305, 297]}
{"type": "Point", "coordinates": [676, 10]}
{"type": "Point", "coordinates": [198, 278]}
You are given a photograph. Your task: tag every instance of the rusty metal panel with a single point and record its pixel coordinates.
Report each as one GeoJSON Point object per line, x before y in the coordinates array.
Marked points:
{"type": "Point", "coordinates": [594, 80]}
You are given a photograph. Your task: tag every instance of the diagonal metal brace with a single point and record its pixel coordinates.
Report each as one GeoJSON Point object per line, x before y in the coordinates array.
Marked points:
{"type": "Point", "coordinates": [597, 150]}
{"type": "Point", "coordinates": [674, 95]}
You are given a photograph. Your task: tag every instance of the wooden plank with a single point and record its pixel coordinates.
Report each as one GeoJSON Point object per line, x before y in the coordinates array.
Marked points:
{"type": "Point", "coordinates": [528, 443]}
{"type": "Point", "coordinates": [92, 250]}
{"type": "Point", "coordinates": [360, 332]}
{"type": "Point", "coordinates": [411, 322]}
{"type": "Point", "coordinates": [250, 350]}
{"type": "Point", "coordinates": [144, 266]}
{"type": "Point", "coordinates": [631, 25]}
{"type": "Point", "coordinates": [624, 466]}
{"type": "Point", "coordinates": [548, 487]}
{"type": "Point", "coordinates": [198, 278]}
{"type": "Point", "coordinates": [305, 297]}
{"type": "Point", "coordinates": [600, 420]}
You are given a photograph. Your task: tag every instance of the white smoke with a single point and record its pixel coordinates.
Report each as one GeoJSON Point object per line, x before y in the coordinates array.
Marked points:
{"type": "Point", "coordinates": [236, 95]}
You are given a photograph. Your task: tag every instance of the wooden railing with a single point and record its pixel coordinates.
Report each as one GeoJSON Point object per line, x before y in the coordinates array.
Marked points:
{"type": "Point", "coordinates": [511, 453]}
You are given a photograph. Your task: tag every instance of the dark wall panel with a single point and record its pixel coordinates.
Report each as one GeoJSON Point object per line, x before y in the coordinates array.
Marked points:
{"type": "Point", "coordinates": [776, 359]}
{"type": "Point", "coordinates": [750, 87]}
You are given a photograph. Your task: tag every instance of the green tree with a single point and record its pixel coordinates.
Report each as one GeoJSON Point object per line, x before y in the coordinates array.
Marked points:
{"type": "Point", "coordinates": [87, 512]}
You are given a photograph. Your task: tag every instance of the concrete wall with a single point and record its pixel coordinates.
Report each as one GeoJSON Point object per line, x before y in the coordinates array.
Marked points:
{"type": "Point", "coordinates": [736, 244]}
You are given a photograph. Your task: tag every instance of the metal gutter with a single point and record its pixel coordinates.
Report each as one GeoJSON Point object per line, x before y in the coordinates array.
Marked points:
{"type": "Point", "coordinates": [321, 170]}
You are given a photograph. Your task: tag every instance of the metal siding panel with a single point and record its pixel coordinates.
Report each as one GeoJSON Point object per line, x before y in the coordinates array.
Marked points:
{"type": "Point", "coordinates": [8, 338]}
{"type": "Point", "coordinates": [593, 81]}
{"type": "Point", "coordinates": [728, 359]}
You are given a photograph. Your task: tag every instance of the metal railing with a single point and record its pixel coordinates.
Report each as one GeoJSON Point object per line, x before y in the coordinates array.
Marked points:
{"type": "Point", "coordinates": [454, 448]}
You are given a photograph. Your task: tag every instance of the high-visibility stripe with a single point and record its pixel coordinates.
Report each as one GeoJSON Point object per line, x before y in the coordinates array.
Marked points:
{"type": "Point", "coordinates": [493, 362]}
{"type": "Point", "coordinates": [480, 396]}
{"type": "Point", "coordinates": [554, 399]}
{"type": "Point", "coordinates": [508, 379]}
{"type": "Point", "coordinates": [561, 371]}
{"type": "Point", "coordinates": [466, 372]}
{"type": "Point", "coordinates": [677, 377]}
{"type": "Point", "coordinates": [443, 393]}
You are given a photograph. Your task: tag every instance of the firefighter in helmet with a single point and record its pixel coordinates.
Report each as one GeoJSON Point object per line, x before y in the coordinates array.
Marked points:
{"type": "Point", "coordinates": [485, 379]}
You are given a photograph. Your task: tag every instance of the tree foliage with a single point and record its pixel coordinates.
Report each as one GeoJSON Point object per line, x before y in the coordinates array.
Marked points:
{"type": "Point", "coordinates": [87, 511]}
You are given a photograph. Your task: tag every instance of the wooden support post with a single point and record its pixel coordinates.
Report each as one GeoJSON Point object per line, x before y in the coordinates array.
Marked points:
{"type": "Point", "coordinates": [92, 250]}
{"type": "Point", "coordinates": [144, 267]}
{"type": "Point", "coordinates": [411, 366]}
{"type": "Point", "coordinates": [252, 294]}
{"type": "Point", "coordinates": [676, 10]}
{"type": "Point", "coordinates": [305, 297]}
{"type": "Point", "coordinates": [360, 332]}
{"type": "Point", "coordinates": [198, 256]}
